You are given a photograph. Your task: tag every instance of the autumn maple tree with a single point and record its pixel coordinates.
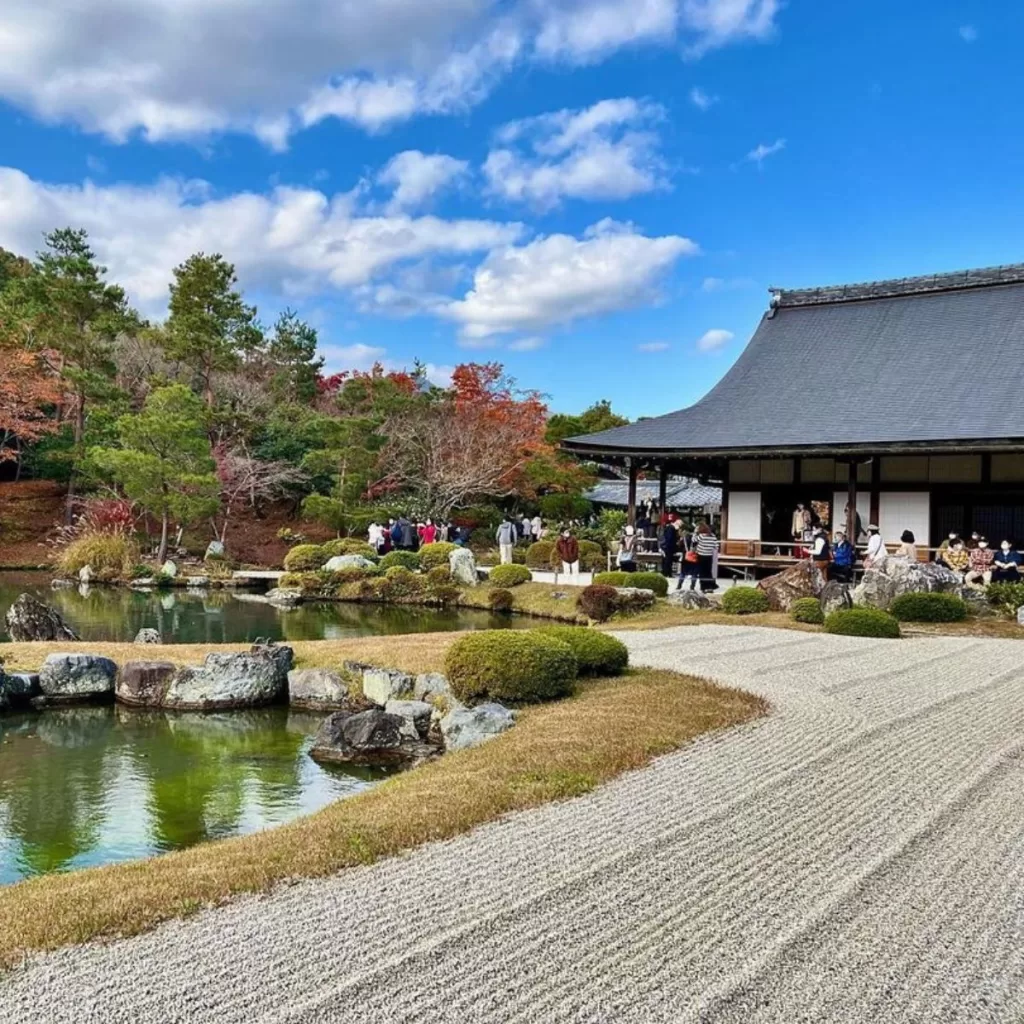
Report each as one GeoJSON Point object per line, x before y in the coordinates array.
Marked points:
{"type": "Point", "coordinates": [27, 391]}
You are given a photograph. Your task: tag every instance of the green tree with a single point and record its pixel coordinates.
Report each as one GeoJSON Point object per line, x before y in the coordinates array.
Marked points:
{"type": "Point", "coordinates": [598, 417]}
{"type": "Point", "coordinates": [164, 462]}
{"type": "Point", "coordinates": [209, 326]}
{"type": "Point", "coordinates": [295, 366]}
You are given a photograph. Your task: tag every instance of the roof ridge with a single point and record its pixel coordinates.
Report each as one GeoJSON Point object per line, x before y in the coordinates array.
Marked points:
{"type": "Point", "coordinates": [1010, 273]}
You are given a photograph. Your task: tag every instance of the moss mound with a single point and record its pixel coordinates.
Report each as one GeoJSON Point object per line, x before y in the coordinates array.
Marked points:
{"type": "Point", "coordinates": [927, 607]}
{"type": "Point", "coordinates": [597, 653]}
{"type": "Point", "coordinates": [510, 665]}
{"type": "Point", "coordinates": [538, 554]}
{"type": "Point", "coordinates": [433, 555]}
{"type": "Point", "coordinates": [807, 609]}
{"type": "Point", "coordinates": [510, 575]}
{"type": "Point", "coordinates": [863, 622]}
{"type": "Point", "coordinates": [406, 559]}
{"type": "Point", "coordinates": [304, 558]}
{"type": "Point", "coordinates": [744, 601]}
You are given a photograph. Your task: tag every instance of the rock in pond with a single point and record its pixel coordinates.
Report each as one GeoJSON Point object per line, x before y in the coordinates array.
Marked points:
{"type": "Point", "coordinates": [68, 677]}
{"type": "Point", "coordinates": [85, 574]}
{"type": "Point", "coordinates": [283, 597]}
{"type": "Point", "coordinates": [21, 686]}
{"type": "Point", "coordinates": [317, 688]}
{"type": "Point", "coordinates": [144, 683]}
{"type": "Point", "coordinates": [29, 619]}
{"type": "Point", "coordinates": [341, 562]}
{"type": "Point", "coordinates": [415, 715]}
{"type": "Point", "coordinates": [464, 727]}
{"type": "Point", "coordinates": [383, 684]}
{"type": "Point", "coordinates": [692, 600]}
{"type": "Point", "coordinates": [369, 737]}
{"type": "Point", "coordinates": [214, 550]}
{"type": "Point", "coordinates": [147, 636]}
{"type": "Point", "coordinates": [804, 579]}
{"type": "Point", "coordinates": [169, 568]}
{"type": "Point", "coordinates": [197, 582]}
{"type": "Point", "coordinates": [463, 567]}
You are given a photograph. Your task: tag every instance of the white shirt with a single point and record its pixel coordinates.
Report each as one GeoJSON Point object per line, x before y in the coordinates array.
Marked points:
{"type": "Point", "coordinates": [876, 546]}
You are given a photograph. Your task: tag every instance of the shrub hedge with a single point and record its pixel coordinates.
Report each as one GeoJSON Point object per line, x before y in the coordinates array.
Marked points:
{"type": "Point", "coordinates": [501, 600]}
{"type": "Point", "coordinates": [406, 559]}
{"type": "Point", "coordinates": [433, 555]}
{"type": "Point", "coordinates": [304, 558]}
{"type": "Point", "coordinates": [510, 665]}
{"type": "Point", "coordinates": [538, 554]}
{"type": "Point", "coordinates": [598, 602]}
{"type": "Point", "coordinates": [929, 607]}
{"type": "Point", "coordinates": [510, 575]}
{"type": "Point", "coordinates": [863, 622]}
{"type": "Point", "coordinates": [744, 601]}
{"type": "Point", "coordinates": [807, 609]}
{"type": "Point", "coordinates": [1009, 596]}
{"type": "Point", "coordinates": [347, 546]}
{"type": "Point", "coordinates": [597, 653]}
{"type": "Point", "coordinates": [439, 576]}
{"type": "Point", "coordinates": [644, 580]}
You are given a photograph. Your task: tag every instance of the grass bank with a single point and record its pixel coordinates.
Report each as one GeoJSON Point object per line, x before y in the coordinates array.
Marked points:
{"type": "Point", "coordinates": [555, 752]}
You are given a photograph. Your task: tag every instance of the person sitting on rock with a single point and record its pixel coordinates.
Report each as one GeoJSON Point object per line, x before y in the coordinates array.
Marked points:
{"type": "Point", "coordinates": [1006, 565]}
{"type": "Point", "coordinates": [940, 555]}
{"type": "Point", "coordinates": [979, 572]}
{"type": "Point", "coordinates": [844, 558]}
{"type": "Point", "coordinates": [907, 547]}
{"type": "Point", "coordinates": [957, 557]}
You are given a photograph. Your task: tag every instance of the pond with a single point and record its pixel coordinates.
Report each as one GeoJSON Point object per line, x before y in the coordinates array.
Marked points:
{"type": "Point", "coordinates": [86, 786]}
{"type": "Point", "coordinates": [230, 616]}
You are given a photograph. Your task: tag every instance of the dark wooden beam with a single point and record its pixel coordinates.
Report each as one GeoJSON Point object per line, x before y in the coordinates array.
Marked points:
{"type": "Point", "coordinates": [631, 499]}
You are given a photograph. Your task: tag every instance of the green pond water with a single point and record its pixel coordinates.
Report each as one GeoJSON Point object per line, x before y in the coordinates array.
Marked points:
{"type": "Point", "coordinates": [229, 616]}
{"type": "Point", "coordinates": [95, 785]}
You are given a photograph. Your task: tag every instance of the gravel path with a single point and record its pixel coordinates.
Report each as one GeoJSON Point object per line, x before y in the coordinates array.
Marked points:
{"type": "Point", "coordinates": [857, 856]}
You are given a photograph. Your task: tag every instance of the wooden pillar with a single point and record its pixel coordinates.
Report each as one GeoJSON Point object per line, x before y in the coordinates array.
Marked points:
{"type": "Point", "coordinates": [851, 501]}
{"type": "Point", "coordinates": [662, 487]}
{"type": "Point", "coordinates": [631, 499]}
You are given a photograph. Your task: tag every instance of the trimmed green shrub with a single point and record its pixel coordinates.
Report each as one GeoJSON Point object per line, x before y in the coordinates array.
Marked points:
{"type": "Point", "coordinates": [613, 579]}
{"type": "Point", "coordinates": [744, 601]}
{"type": "Point", "coordinates": [863, 622]}
{"type": "Point", "coordinates": [347, 546]}
{"type": "Point", "coordinates": [447, 594]}
{"type": "Point", "coordinates": [304, 558]}
{"type": "Point", "coordinates": [501, 600]}
{"type": "Point", "coordinates": [510, 665]}
{"type": "Point", "coordinates": [510, 575]}
{"type": "Point", "coordinates": [598, 602]}
{"type": "Point", "coordinates": [538, 554]}
{"type": "Point", "coordinates": [807, 609]}
{"type": "Point", "coordinates": [439, 576]}
{"type": "Point", "coordinates": [433, 555]}
{"type": "Point", "coordinates": [406, 559]}
{"type": "Point", "coordinates": [928, 607]}
{"type": "Point", "coordinates": [592, 557]}
{"type": "Point", "coordinates": [403, 582]}
{"type": "Point", "coordinates": [642, 580]}
{"type": "Point", "coordinates": [1008, 596]}
{"type": "Point", "coordinates": [597, 653]}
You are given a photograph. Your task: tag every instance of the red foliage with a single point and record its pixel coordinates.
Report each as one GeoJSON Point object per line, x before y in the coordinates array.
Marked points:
{"type": "Point", "coordinates": [27, 389]}
{"type": "Point", "coordinates": [107, 515]}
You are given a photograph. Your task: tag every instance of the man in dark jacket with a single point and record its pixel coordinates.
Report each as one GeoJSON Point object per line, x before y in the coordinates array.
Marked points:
{"type": "Point", "coordinates": [669, 545]}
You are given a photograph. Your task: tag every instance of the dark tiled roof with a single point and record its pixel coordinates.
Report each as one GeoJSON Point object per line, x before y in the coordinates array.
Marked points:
{"type": "Point", "coordinates": [894, 363]}
{"type": "Point", "coordinates": [680, 493]}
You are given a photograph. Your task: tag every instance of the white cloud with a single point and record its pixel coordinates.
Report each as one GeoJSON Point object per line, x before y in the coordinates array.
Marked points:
{"type": "Point", "coordinates": [417, 177]}
{"type": "Point", "coordinates": [602, 152]}
{"type": "Point", "coordinates": [725, 284]}
{"type": "Point", "coordinates": [654, 346]}
{"type": "Point", "coordinates": [968, 33]}
{"type": "Point", "coordinates": [527, 344]}
{"type": "Point", "coordinates": [702, 100]}
{"type": "Point", "coordinates": [186, 69]}
{"type": "Point", "coordinates": [289, 240]}
{"type": "Point", "coordinates": [711, 341]}
{"type": "Point", "coordinates": [761, 152]}
{"type": "Point", "coordinates": [558, 279]}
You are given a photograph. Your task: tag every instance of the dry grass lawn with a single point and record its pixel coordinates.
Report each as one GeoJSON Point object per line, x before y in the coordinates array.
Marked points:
{"type": "Point", "coordinates": [556, 751]}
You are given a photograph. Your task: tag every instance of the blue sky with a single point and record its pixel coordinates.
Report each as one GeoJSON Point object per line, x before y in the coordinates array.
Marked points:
{"type": "Point", "coordinates": [595, 192]}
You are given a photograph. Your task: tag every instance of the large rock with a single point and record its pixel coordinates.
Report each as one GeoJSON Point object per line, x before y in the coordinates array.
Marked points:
{"type": "Point", "coordinates": [464, 727]}
{"type": "Point", "coordinates": [29, 619]}
{"type": "Point", "coordinates": [340, 562]}
{"type": "Point", "coordinates": [835, 596]}
{"type": "Point", "coordinates": [258, 676]}
{"type": "Point", "coordinates": [383, 684]}
{"type": "Point", "coordinates": [317, 688]}
{"type": "Point", "coordinates": [431, 684]}
{"type": "Point", "coordinates": [415, 715]}
{"type": "Point", "coordinates": [369, 737]}
{"type": "Point", "coordinates": [197, 582]}
{"type": "Point", "coordinates": [169, 568]}
{"type": "Point", "coordinates": [85, 574]}
{"type": "Point", "coordinates": [21, 686]}
{"type": "Point", "coordinates": [214, 550]}
{"type": "Point", "coordinates": [66, 677]}
{"type": "Point", "coordinates": [144, 683]}
{"type": "Point", "coordinates": [283, 597]}
{"type": "Point", "coordinates": [888, 578]}
{"type": "Point", "coordinates": [463, 567]}
{"type": "Point", "coordinates": [5, 699]}
{"type": "Point", "coordinates": [693, 600]}
{"type": "Point", "coordinates": [804, 579]}
{"type": "Point", "coordinates": [147, 635]}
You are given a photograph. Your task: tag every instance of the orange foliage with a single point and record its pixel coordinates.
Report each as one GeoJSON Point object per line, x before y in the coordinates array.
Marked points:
{"type": "Point", "coordinates": [27, 388]}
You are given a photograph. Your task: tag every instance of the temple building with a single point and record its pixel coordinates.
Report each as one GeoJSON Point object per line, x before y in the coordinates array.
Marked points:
{"type": "Point", "coordinates": [901, 399]}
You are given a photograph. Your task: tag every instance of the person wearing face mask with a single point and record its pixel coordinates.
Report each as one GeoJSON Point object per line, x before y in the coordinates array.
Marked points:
{"type": "Point", "coordinates": [568, 549]}
{"type": "Point", "coordinates": [1006, 565]}
{"type": "Point", "coordinates": [940, 555]}
{"type": "Point", "coordinates": [981, 559]}
{"type": "Point", "coordinates": [957, 557]}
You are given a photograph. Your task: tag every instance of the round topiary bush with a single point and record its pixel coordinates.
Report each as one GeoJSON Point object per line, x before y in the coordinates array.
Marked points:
{"type": "Point", "coordinates": [501, 600]}
{"type": "Point", "coordinates": [807, 609]}
{"type": "Point", "coordinates": [538, 554]}
{"type": "Point", "coordinates": [439, 576]}
{"type": "Point", "coordinates": [597, 653]}
{"type": "Point", "coordinates": [406, 559]}
{"type": "Point", "coordinates": [510, 575]}
{"type": "Point", "coordinates": [648, 581]}
{"type": "Point", "coordinates": [304, 558]}
{"type": "Point", "coordinates": [613, 579]}
{"type": "Point", "coordinates": [926, 607]}
{"type": "Point", "coordinates": [402, 582]}
{"type": "Point", "coordinates": [347, 546]}
{"type": "Point", "coordinates": [510, 665]}
{"type": "Point", "coordinates": [863, 622]}
{"type": "Point", "coordinates": [744, 601]}
{"type": "Point", "coordinates": [446, 595]}
{"type": "Point", "coordinates": [598, 602]}
{"type": "Point", "coordinates": [433, 555]}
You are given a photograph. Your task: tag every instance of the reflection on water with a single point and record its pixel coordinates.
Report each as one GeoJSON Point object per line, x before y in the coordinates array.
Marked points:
{"type": "Point", "coordinates": [228, 616]}
{"type": "Point", "coordinates": [95, 785]}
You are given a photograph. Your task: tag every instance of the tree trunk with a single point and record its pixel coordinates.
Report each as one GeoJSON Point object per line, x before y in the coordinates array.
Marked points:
{"type": "Point", "coordinates": [79, 436]}
{"type": "Point", "coordinates": [161, 555]}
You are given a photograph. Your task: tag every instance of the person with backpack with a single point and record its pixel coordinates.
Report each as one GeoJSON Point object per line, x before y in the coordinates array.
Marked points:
{"type": "Point", "coordinates": [506, 537]}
